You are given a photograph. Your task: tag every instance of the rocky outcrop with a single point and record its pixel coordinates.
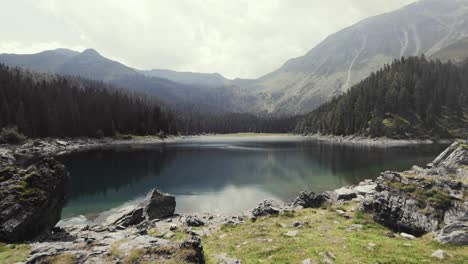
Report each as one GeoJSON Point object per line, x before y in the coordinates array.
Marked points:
{"type": "Point", "coordinates": [420, 200]}
{"type": "Point", "coordinates": [31, 199]}
{"type": "Point", "coordinates": [6, 158]}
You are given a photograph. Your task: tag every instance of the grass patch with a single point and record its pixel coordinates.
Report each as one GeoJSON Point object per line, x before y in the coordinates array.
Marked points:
{"type": "Point", "coordinates": [62, 259]}
{"type": "Point", "coordinates": [12, 253]}
{"type": "Point", "coordinates": [264, 241]}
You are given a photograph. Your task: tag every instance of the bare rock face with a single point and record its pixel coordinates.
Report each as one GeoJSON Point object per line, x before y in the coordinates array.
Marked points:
{"type": "Point", "coordinates": [31, 199]}
{"type": "Point", "coordinates": [158, 205]}
{"type": "Point", "coordinates": [455, 233]}
{"type": "Point", "coordinates": [418, 201]}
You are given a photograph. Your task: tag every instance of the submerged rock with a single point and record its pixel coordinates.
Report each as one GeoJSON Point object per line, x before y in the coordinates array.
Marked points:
{"type": "Point", "coordinates": [31, 199]}
{"type": "Point", "coordinates": [158, 205]}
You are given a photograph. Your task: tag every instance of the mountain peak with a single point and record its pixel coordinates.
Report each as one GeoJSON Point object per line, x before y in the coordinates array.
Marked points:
{"type": "Point", "coordinates": [90, 52]}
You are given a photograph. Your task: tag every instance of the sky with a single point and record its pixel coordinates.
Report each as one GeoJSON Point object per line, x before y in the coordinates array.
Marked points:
{"type": "Point", "coordinates": [237, 38]}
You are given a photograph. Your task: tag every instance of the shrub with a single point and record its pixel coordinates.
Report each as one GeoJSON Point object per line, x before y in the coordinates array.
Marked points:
{"type": "Point", "coordinates": [11, 135]}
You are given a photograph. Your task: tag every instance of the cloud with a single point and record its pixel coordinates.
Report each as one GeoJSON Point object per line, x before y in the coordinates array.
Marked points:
{"type": "Point", "coordinates": [236, 38]}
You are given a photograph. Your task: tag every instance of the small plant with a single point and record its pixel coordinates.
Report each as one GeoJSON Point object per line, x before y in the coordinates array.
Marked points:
{"type": "Point", "coordinates": [11, 135]}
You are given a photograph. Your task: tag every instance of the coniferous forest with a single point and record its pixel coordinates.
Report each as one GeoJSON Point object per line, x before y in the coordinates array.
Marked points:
{"type": "Point", "coordinates": [52, 106]}
{"type": "Point", "coordinates": [410, 98]}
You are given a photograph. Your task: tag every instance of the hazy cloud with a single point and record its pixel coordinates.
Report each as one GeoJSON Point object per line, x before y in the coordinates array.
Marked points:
{"type": "Point", "coordinates": [240, 38]}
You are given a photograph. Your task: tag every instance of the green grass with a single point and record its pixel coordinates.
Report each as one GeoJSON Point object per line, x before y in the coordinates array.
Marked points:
{"type": "Point", "coordinates": [12, 253]}
{"type": "Point", "coordinates": [264, 241]}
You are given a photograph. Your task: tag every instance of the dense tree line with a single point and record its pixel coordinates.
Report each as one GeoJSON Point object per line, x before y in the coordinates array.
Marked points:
{"type": "Point", "coordinates": [45, 105]}
{"type": "Point", "coordinates": [411, 97]}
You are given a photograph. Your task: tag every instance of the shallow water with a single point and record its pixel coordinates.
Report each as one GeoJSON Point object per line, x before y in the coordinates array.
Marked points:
{"type": "Point", "coordinates": [225, 174]}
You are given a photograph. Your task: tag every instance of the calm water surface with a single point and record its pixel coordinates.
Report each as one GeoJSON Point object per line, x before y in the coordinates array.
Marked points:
{"type": "Point", "coordinates": [224, 174]}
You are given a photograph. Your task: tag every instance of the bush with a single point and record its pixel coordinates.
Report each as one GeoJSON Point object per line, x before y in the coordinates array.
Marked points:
{"type": "Point", "coordinates": [11, 135]}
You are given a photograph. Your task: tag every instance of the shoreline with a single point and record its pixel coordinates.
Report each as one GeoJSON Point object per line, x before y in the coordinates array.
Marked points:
{"type": "Point", "coordinates": [375, 142]}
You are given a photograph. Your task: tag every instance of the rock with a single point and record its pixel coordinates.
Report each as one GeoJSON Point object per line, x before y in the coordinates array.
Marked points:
{"type": "Point", "coordinates": [371, 245]}
{"type": "Point", "coordinates": [440, 254]}
{"type": "Point", "coordinates": [354, 227]}
{"type": "Point", "coordinates": [291, 233]}
{"type": "Point", "coordinates": [307, 261]}
{"type": "Point", "coordinates": [408, 236]}
{"type": "Point", "coordinates": [298, 224]}
{"type": "Point", "coordinates": [224, 259]}
{"type": "Point", "coordinates": [128, 216]}
{"type": "Point", "coordinates": [158, 205]}
{"type": "Point", "coordinates": [267, 208]}
{"type": "Point", "coordinates": [194, 243]}
{"type": "Point", "coordinates": [455, 233]}
{"type": "Point", "coordinates": [310, 200]}
{"type": "Point", "coordinates": [169, 235]}
{"type": "Point", "coordinates": [31, 200]}
{"type": "Point", "coordinates": [194, 221]}
{"type": "Point", "coordinates": [344, 193]}
{"type": "Point", "coordinates": [172, 227]}
{"type": "Point", "coordinates": [6, 158]}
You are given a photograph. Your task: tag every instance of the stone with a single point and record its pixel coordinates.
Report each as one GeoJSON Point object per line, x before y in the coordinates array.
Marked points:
{"type": "Point", "coordinates": [455, 233]}
{"type": "Point", "coordinates": [354, 227]}
{"type": "Point", "coordinates": [41, 200]}
{"type": "Point", "coordinates": [310, 200]}
{"type": "Point", "coordinates": [408, 236]}
{"type": "Point", "coordinates": [224, 259]}
{"type": "Point", "coordinates": [194, 221]}
{"type": "Point", "coordinates": [173, 227]}
{"type": "Point", "coordinates": [158, 205]}
{"type": "Point", "coordinates": [307, 261]}
{"type": "Point", "coordinates": [343, 193]}
{"type": "Point", "coordinates": [194, 243]}
{"type": "Point", "coordinates": [267, 208]}
{"type": "Point", "coordinates": [291, 233]}
{"type": "Point", "coordinates": [440, 254]}
{"type": "Point", "coordinates": [125, 217]}
{"type": "Point", "coordinates": [169, 235]}
{"type": "Point", "coordinates": [298, 224]}
{"type": "Point", "coordinates": [371, 245]}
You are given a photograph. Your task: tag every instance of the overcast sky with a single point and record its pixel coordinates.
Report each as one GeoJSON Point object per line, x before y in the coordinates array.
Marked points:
{"type": "Point", "coordinates": [237, 38]}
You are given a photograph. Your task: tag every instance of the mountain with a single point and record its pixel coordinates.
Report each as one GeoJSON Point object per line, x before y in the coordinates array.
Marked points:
{"type": "Point", "coordinates": [411, 98]}
{"type": "Point", "coordinates": [350, 55]}
{"type": "Point", "coordinates": [213, 80]}
{"type": "Point", "coordinates": [456, 52]}
{"type": "Point", "coordinates": [193, 92]}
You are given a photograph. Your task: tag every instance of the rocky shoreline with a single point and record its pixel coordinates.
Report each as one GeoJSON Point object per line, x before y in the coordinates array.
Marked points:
{"type": "Point", "coordinates": [375, 142]}
{"type": "Point", "coordinates": [411, 203]}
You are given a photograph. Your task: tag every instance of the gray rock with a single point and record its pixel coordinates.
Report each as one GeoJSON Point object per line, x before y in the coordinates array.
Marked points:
{"type": "Point", "coordinates": [455, 233]}
{"type": "Point", "coordinates": [267, 208]}
{"type": "Point", "coordinates": [291, 233]}
{"type": "Point", "coordinates": [310, 200]}
{"type": "Point", "coordinates": [35, 208]}
{"type": "Point", "coordinates": [408, 236]}
{"type": "Point", "coordinates": [343, 193]}
{"type": "Point", "coordinates": [224, 259]}
{"type": "Point", "coordinates": [440, 254]}
{"type": "Point", "coordinates": [158, 205]}
{"type": "Point", "coordinates": [194, 243]}
{"type": "Point", "coordinates": [194, 221]}
{"type": "Point", "coordinates": [126, 217]}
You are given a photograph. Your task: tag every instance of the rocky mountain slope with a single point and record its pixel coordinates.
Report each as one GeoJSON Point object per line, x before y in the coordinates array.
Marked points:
{"type": "Point", "coordinates": [348, 56]}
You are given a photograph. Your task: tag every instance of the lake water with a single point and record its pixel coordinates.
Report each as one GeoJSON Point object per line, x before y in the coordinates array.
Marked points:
{"type": "Point", "coordinates": [224, 174]}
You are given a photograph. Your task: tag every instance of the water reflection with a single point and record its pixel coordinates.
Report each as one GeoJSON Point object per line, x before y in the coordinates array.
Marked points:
{"type": "Point", "coordinates": [225, 176]}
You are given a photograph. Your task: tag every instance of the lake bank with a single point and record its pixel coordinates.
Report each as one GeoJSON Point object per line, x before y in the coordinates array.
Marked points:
{"type": "Point", "coordinates": [376, 142]}
{"type": "Point", "coordinates": [367, 219]}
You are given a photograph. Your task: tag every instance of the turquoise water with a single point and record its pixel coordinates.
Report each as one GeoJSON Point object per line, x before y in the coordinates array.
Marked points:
{"type": "Point", "coordinates": [223, 174]}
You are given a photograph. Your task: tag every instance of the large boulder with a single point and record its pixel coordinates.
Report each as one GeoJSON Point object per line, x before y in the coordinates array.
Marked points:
{"type": "Point", "coordinates": [158, 205]}
{"type": "Point", "coordinates": [31, 199]}
{"type": "Point", "coordinates": [125, 217]}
